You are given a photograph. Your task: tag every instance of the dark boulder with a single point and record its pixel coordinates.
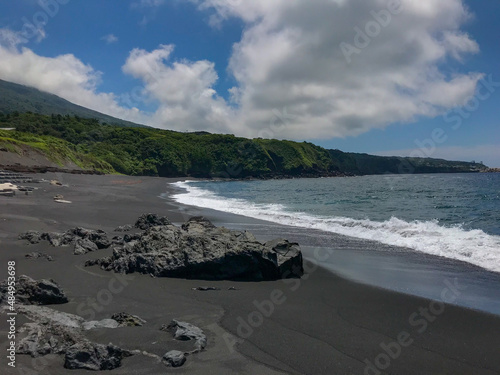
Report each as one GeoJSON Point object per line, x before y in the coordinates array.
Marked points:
{"type": "Point", "coordinates": [187, 332]}
{"type": "Point", "coordinates": [124, 228]}
{"type": "Point", "coordinates": [174, 358]}
{"type": "Point", "coordinates": [37, 255]}
{"type": "Point", "coordinates": [84, 246]}
{"type": "Point", "coordinates": [36, 292]}
{"type": "Point", "coordinates": [147, 221]}
{"type": "Point", "coordinates": [290, 260]}
{"type": "Point", "coordinates": [128, 320]}
{"type": "Point", "coordinates": [200, 250]}
{"type": "Point", "coordinates": [33, 237]}
{"type": "Point", "coordinates": [95, 357]}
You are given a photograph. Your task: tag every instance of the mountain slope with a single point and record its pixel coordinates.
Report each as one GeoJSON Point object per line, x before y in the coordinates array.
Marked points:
{"type": "Point", "coordinates": [19, 98]}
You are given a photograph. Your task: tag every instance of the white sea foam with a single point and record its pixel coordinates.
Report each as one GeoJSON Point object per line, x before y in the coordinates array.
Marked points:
{"type": "Point", "coordinates": [472, 246]}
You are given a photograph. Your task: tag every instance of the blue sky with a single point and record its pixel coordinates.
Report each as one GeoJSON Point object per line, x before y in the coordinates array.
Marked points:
{"type": "Point", "coordinates": [273, 68]}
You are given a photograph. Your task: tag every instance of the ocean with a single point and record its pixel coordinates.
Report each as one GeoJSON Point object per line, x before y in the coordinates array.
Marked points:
{"type": "Point", "coordinates": [446, 216]}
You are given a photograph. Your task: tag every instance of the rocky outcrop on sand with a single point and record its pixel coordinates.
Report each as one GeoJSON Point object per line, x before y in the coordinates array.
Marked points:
{"type": "Point", "coordinates": [36, 292]}
{"type": "Point", "coordinates": [96, 357]}
{"type": "Point", "coordinates": [38, 255]}
{"type": "Point", "coordinates": [123, 228]}
{"type": "Point", "coordinates": [174, 358]}
{"type": "Point", "coordinates": [147, 221]}
{"type": "Point", "coordinates": [83, 240]}
{"type": "Point", "coordinates": [55, 332]}
{"type": "Point", "coordinates": [128, 320]}
{"type": "Point", "coordinates": [183, 331]}
{"type": "Point", "coordinates": [200, 250]}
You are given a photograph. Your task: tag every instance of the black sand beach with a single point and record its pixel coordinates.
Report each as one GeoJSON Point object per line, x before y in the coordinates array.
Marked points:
{"type": "Point", "coordinates": [321, 324]}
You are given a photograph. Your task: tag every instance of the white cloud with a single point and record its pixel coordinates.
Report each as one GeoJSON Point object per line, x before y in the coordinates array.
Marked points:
{"type": "Point", "coordinates": [290, 56]}
{"type": "Point", "coordinates": [65, 76]}
{"type": "Point", "coordinates": [183, 89]}
{"type": "Point", "coordinates": [11, 39]}
{"type": "Point", "coordinates": [110, 38]}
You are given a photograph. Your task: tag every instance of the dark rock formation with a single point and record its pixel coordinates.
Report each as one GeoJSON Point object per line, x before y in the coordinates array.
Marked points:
{"type": "Point", "coordinates": [37, 255]}
{"type": "Point", "coordinates": [56, 332]}
{"type": "Point", "coordinates": [289, 257]}
{"type": "Point", "coordinates": [36, 292]}
{"type": "Point", "coordinates": [32, 236]}
{"type": "Point", "coordinates": [123, 228]}
{"type": "Point", "coordinates": [84, 246]}
{"type": "Point", "coordinates": [147, 221]}
{"type": "Point", "coordinates": [174, 358]}
{"type": "Point", "coordinates": [200, 250]}
{"type": "Point", "coordinates": [128, 320]}
{"type": "Point", "coordinates": [186, 332]}
{"type": "Point", "coordinates": [95, 357]}
{"type": "Point", "coordinates": [84, 240]}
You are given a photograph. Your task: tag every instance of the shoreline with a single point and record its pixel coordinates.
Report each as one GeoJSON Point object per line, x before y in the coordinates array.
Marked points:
{"type": "Point", "coordinates": [328, 324]}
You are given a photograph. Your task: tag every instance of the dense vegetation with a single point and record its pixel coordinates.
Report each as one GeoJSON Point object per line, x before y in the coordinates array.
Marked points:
{"type": "Point", "coordinates": [155, 152]}
{"type": "Point", "coordinates": [147, 151]}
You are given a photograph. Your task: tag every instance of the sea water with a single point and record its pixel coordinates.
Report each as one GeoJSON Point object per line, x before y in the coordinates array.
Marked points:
{"type": "Point", "coordinates": [451, 216]}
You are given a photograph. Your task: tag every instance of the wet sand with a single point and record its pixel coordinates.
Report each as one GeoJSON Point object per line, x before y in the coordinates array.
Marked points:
{"type": "Point", "coordinates": [322, 324]}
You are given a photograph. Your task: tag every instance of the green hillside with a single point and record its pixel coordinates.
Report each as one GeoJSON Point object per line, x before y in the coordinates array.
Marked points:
{"type": "Point", "coordinates": [19, 98]}
{"type": "Point", "coordinates": [156, 152]}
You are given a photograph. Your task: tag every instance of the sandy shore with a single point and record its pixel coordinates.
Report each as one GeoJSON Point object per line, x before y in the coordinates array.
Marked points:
{"type": "Point", "coordinates": [322, 324]}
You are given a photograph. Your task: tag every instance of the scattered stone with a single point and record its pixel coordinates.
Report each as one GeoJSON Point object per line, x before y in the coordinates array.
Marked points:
{"type": "Point", "coordinates": [174, 358]}
{"type": "Point", "coordinates": [232, 288]}
{"type": "Point", "coordinates": [131, 237]}
{"type": "Point", "coordinates": [32, 236]}
{"type": "Point", "coordinates": [37, 255]}
{"type": "Point", "coordinates": [58, 239]}
{"type": "Point", "coordinates": [95, 357]}
{"type": "Point", "coordinates": [128, 320]}
{"type": "Point", "coordinates": [147, 221]}
{"type": "Point", "coordinates": [123, 228]}
{"type": "Point", "coordinates": [105, 323]}
{"type": "Point", "coordinates": [117, 240]}
{"type": "Point", "coordinates": [84, 240]}
{"type": "Point", "coordinates": [200, 250]}
{"type": "Point", "coordinates": [36, 292]}
{"type": "Point", "coordinates": [58, 197]}
{"type": "Point", "coordinates": [205, 288]}
{"type": "Point", "coordinates": [186, 332]}
{"type": "Point", "coordinates": [55, 183]}
{"type": "Point", "coordinates": [84, 246]}
{"type": "Point", "coordinates": [56, 332]}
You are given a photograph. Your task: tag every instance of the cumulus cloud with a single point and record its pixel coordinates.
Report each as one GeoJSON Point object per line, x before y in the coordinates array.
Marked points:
{"type": "Point", "coordinates": [110, 38]}
{"type": "Point", "coordinates": [290, 56]}
{"type": "Point", "coordinates": [291, 63]}
{"type": "Point", "coordinates": [183, 89]}
{"type": "Point", "coordinates": [65, 76]}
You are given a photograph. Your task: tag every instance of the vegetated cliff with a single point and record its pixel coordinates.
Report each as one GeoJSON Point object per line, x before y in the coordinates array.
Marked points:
{"type": "Point", "coordinates": [91, 145]}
